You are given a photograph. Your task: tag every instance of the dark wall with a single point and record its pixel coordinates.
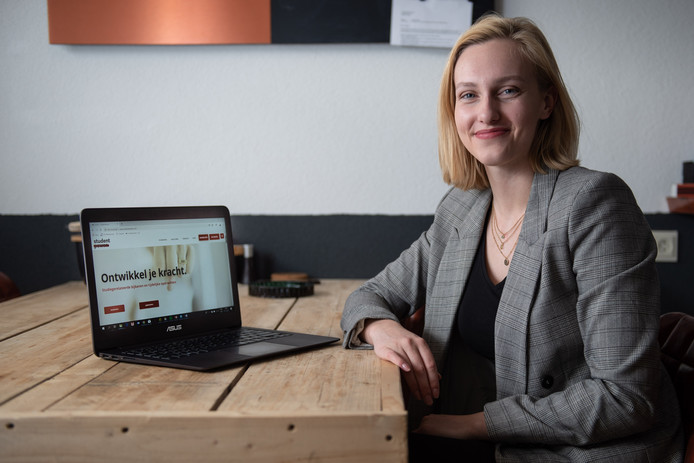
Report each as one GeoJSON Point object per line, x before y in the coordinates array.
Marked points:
{"type": "Point", "coordinates": [36, 252]}
{"type": "Point", "coordinates": [335, 246]}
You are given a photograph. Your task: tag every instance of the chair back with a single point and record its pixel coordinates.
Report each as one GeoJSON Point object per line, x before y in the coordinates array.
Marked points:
{"type": "Point", "coordinates": [677, 352]}
{"type": "Point", "coordinates": [415, 322]}
{"type": "Point", "coordinates": [8, 289]}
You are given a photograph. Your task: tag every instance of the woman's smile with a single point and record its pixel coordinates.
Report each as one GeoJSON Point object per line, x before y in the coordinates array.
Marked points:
{"type": "Point", "coordinates": [488, 134]}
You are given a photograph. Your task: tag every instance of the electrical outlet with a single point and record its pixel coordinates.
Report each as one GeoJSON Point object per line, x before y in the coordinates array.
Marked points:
{"type": "Point", "coordinates": [667, 245]}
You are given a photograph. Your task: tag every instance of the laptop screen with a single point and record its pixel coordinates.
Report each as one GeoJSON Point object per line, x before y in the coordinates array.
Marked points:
{"type": "Point", "coordinates": [158, 273]}
{"type": "Point", "coordinates": [166, 272]}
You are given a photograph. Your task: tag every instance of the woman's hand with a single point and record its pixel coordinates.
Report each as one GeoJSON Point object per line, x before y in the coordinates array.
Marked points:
{"type": "Point", "coordinates": [455, 426]}
{"type": "Point", "coordinates": [409, 352]}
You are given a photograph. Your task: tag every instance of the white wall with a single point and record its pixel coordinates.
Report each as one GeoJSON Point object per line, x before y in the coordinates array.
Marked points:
{"type": "Point", "coordinates": [314, 129]}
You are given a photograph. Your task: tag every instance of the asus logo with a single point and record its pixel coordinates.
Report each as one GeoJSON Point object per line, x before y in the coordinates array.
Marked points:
{"type": "Point", "coordinates": [173, 328]}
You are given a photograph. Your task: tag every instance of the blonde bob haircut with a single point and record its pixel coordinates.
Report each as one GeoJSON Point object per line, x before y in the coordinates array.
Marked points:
{"type": "Point", "coordinates": [556, 142]}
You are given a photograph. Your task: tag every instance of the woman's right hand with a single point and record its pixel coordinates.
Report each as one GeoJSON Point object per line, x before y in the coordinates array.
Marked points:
{"type": "Point", "coordinates": [411, 353]}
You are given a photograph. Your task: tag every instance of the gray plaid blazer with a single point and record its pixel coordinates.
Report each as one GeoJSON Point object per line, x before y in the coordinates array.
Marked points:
{"type": "Point", "coordinates": [578, 371]}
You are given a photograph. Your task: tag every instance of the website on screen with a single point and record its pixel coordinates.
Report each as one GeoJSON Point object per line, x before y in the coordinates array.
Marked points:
{"type": "Point", "coordinates": [160, 270]}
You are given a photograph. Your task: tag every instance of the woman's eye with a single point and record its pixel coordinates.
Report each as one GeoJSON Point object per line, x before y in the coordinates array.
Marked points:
{"type": "Point", "coordinates": [467, 95]}
{"type": "Point", "coordinates": [509, 92]}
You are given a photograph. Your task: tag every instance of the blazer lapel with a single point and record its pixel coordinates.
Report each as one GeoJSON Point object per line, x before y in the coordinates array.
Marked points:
{"type": "Point", "coordinates": [520, 290]}
{"type": "Point", "coordinates": [453, 272]}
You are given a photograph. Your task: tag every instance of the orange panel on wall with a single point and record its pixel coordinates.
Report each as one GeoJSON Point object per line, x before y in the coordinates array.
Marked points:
{"type": "Point", "coordinates": [158, 22]}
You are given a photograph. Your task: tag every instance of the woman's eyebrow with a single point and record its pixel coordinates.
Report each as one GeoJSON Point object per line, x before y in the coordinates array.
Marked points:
{"type": "Point", "coordinates": [500, 80]}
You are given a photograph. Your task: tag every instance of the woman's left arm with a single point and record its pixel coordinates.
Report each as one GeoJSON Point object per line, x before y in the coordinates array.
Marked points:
{"type": "Point", "coordinates": [455, 426]}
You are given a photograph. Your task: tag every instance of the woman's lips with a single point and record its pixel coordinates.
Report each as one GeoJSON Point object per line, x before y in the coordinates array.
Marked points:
{"type": "Point", "coordinates": [486, 134]}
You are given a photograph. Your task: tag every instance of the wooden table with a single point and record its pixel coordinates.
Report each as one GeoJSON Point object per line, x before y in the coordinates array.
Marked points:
{"type": "Point", "coordinates": [59, 402]}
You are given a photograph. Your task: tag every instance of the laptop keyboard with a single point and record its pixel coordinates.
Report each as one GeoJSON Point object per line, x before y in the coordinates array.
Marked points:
{"type": "Point", "coordinates": [201, 344]}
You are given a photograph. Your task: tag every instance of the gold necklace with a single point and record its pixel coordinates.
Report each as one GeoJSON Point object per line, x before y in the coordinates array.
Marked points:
{"type": "Point", "coordinates": [509, 233]}
{"type": "Point", "coordinates": [500, 246]}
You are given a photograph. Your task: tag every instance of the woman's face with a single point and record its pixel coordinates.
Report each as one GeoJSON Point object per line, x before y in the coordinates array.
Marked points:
{"type": "Point", "coordinates": [498, 104]}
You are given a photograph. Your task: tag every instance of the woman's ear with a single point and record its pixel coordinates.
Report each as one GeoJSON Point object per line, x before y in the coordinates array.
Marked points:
{"type": "Point", "coordinates": [549, 100]}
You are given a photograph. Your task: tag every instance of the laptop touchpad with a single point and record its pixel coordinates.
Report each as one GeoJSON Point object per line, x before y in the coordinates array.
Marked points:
{"type": "Point", "coordinates": [260, 348]}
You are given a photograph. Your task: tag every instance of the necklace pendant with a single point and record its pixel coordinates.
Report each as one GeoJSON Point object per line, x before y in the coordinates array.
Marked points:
{"type": "Point", "coordinates": [503, 236]}
{"type": "Point", "coordinates": [506, 262]}
{"type": "Point", "coordinates": [501, 246]}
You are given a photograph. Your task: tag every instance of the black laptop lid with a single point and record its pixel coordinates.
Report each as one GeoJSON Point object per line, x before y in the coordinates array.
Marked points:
{"type": "Point", "coordinates": [158, 273]}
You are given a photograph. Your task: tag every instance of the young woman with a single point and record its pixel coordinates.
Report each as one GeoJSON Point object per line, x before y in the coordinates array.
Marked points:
{"type": "Point", "coordinates": [537, 276]}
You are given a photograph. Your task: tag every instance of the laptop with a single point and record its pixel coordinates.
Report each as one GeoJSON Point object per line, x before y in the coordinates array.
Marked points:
{"type": "Point", "coordinates": [163, 290]}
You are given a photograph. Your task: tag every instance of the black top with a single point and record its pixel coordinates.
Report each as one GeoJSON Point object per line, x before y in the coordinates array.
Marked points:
{"type": "Point", "coordinates": [478, 306]}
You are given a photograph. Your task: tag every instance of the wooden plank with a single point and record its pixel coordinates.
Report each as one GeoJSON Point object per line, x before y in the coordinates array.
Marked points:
{"type": "Point", "coordinates": [262, 312]}
{"type": "Point", "coordinates": [126, 387]}
{"type": "Point", "coordinates": [49, 392]}
{"type": "Point", "coordinates": [392, 400]}
{"type": "Point", "coordinates": [30, 358]}
{"type": "Point", "coordinates": [131, 387]}
{"type": "Point", "coordinates": [322, 381]}
{"type": "Point", "coordinates": [210, 437]}
{"type": "Point", "coordinates": [27, 312]}
{"type": "Point", "coordinates": [325, 380]}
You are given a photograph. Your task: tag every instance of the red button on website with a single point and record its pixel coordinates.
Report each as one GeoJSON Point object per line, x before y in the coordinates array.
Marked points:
{"type": "Point", "coordinates": [203, 237]}
{"type": "Point", "coordinates": [149, 305]}
{"type": "Point", "coordinates": [214, 236]}
{"type": "Point", "coordinates": [114, 309]}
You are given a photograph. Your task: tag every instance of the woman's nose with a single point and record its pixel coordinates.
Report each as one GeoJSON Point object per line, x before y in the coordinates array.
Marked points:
{"type": "Point", "coordinates": [488, 110]}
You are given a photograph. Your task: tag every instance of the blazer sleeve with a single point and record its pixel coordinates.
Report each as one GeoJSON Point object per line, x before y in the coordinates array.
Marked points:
{"type": "Point", "coordinates": [615, 389]}
{"type": "Point", "coordinates": [392, 294]}
{"type": "Point", "coordinates": [402, 286]}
